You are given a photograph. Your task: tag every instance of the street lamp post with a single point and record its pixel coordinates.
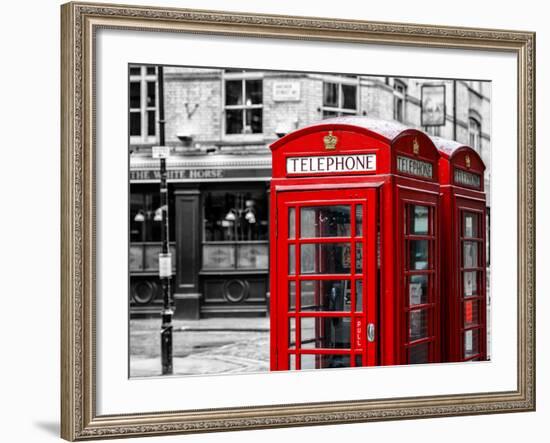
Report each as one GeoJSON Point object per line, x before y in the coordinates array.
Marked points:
{"type": "Point", "coordinates": [165, 258]}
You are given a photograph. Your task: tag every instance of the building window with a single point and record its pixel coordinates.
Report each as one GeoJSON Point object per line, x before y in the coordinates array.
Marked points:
{"type": "Point", "coordinates": [433, 130]}
{"type": "Point", "coordinates": [145, 214]}
{"type": "Point", "coordinates": [243, 103]}
{"type": "Point", "coordinates": [143, 104]}
{"type": "Point", "coordinates": [339, 99]}
{"type": "Point", "coordinates": [474, 131]}
{"type": "Point", "coordinates": [235, 231]}
{"type": "Point", "coordinates": [399, 98]}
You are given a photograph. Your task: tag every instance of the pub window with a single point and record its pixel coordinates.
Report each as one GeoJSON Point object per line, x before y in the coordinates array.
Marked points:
{"type": "Point", "coordinates": [340, 98]}
{"type": "Point", "coordinates": [243, 103]}
{"type": "Point", "coordinates": [474, 132]}
{"type": "Point", "coordinates": [143, 104]}
{"type": "Point", "coordinates": [235, 230]}
{"type": "Point", "coordinates": [399, 98]}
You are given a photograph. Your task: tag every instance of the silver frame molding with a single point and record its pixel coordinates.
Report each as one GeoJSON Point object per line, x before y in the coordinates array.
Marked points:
{"type": "Point", "coordinates": [79, 21]}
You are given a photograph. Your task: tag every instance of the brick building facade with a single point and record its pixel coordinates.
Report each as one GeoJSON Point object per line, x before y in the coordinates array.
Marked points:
{"type": "Point", "coordinates": [219, 124]}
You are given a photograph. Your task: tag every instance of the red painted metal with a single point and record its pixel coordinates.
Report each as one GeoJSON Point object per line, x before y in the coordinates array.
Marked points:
{"type": "Point", "coordinates": [386, 193]}
{"type": "Point", "coordinates": [458, 199]}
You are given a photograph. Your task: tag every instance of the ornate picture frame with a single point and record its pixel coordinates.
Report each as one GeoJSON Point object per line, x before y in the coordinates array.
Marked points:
{"type": "Point", "coordinates": [80, 22]}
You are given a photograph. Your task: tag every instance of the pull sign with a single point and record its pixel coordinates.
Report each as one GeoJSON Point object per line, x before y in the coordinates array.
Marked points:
{"type": "Point", "coordinates": [165, 265]}
{"type": "Point", "coordinates": [370, 332]}
{"type": "Point", "coordinates": [323, 164]}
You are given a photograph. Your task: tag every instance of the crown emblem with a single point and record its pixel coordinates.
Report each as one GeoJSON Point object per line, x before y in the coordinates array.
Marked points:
{"type": "Point", "coordinates": [468, 163]}
{"type": "Point", "coordinates": [330, 141]}
{"type": "Point", "coordinates": [416, 147]}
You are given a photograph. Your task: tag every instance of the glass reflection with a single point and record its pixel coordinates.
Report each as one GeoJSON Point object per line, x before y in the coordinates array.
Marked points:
{"type": "Point", "coordinates": [325, 295]}
{"type": "Point", "coordinates": [325, 258]}
{"type": "Point", "coordinates": [327, 332]}
{"type": "Point", "coordinates": [418, 254]}
{"type": "Point", "coordinates": [419, 218]}
{"type": "Point", "coordinates": [325, 221]}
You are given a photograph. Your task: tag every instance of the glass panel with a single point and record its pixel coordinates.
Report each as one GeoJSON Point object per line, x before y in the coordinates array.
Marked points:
{"type": "Point", "coordinates": [325, 295]}
{"type": "Point", "coordinates": [418, 289]}
{"type": "Point", "coordinates": [418, 324]}
{"type": "Point", "coordinates": [151, 94]}
{"type": "Point", "coordinates": [291, 223]}
{"type": "Point", "coordinates": [358, 257]}
{"type": "Point", "coordinates": [359, 220]}
{"type": "Point", "coordinates": [291, 296]}
{"type": "Point", "coordinates": [349, 96]}
{"type": "Point", "coordinates": [471, 313]}
{"type": "Point", "coordinates": [471, 342]}
{"type": "Point", "coordinates": [330, 114]}
{"type": "Point", "coordinates": [358, 361]}
{"type": "Point", "coordinates": [292, 362]}
{"type": "Point", "coordinates": [330, 94]}
{"type": "Point", "coordinates": [218, 256]}
{"type": "Point", "coordinates": [470, 254]}
{"type": "Point", "coordinates": [419, 353]}
{"type": "Point", "coordinates": [325, 258]}
{"type": "Point", "coordinates": [418, 254]}
{"type": "Point", "coordinates": [419, 220]}
{"type": "Point", "coordinates": [291, 332]}
{"type": "Point", "coordinates": [253, 256]}
{"type": "Point", "coordinates": [233, 92]}
{"type": "Point", "coordinates": [253, 121]}
{"type": "Point", "coordinates": [358, 295]}
{"type": "Point", "coordinates": [136, 258]}
{"type": "Point", "coordinates": [151, 70]}
{"type": "Point", "coordinates": [253, 92]}
{"type": "Point", "coordinates": [311, 361]}
{"type": "Point", "coordinates": [470, 283]}
{"type": "Point", "coordinates": [135, 95]}
{"type": "Point", "coordinates": [325, 221]}
{"type": "Point", "coordinates": [233, 121]}
{"type": "Point", "coordinates": [135, 71]}
{"type": "Point", "coordinates": [151, 123]}
{"type": "Point", "coordinates": [152, 257]}
{"type": "Point", "coordinates": [135, 123]}
{"type": "Point", "coordinates": [470, 225]}
{"type": "Point", "coordinates": [325, 332]}
{"type": "Point", "coordinates": [235, 216]}
{"type": "Point", "coordinates": [291, 259]}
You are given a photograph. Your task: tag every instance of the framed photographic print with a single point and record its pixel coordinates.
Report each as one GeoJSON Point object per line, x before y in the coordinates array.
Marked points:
{"type": "Point", "coordinates": [282, 221]}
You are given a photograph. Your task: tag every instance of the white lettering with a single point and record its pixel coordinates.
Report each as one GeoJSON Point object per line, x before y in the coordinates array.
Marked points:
{"type": "Point", "coordinates": [331, 163]}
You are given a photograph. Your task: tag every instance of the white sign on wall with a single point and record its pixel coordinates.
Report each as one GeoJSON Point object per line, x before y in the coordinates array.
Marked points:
{"type": "Point", "coordinates": [286, 91]}
{"type": "Point", "coordinates": [320, 164]}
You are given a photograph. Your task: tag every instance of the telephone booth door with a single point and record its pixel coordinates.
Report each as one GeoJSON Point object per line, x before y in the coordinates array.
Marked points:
{"type": "Point", "coordinates": [326, 283]}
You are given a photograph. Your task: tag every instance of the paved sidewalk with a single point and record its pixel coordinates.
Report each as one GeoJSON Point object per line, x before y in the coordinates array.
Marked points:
{"type": "Point", "coordinates": [201, 347]}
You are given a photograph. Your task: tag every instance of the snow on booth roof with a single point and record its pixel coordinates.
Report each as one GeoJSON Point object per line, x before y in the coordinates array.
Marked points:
{"type": "Point", "coordinates": [447, 147]}
{"type": "Point", "coordinates": [388, 129]}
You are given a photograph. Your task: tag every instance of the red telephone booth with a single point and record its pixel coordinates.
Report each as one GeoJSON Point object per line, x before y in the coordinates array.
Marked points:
{"type": "Point", "coordinates": [463, 275]}
{"type": "Point", "coordinates": [354, 257]}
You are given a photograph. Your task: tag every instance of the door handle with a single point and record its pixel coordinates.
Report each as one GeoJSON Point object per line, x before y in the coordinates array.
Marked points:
{"type": "Point", "coordinates": [370, 332]}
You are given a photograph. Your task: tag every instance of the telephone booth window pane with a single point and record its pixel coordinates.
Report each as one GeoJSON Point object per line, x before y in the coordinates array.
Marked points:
{"type": "Point", "coordinates": [325, 221]}
{"type": "Point", "coordinates": [291, 296]}
{"type": "Point", "coordinates": [358, 295]}
{"type": "Point", "coordinates": [419, 354]}
{"type": "Point", "coordinates": [470, 254]}
{"type": "Point", "coordinates": [291, 259]}
{"type": "Point", "coordinates": [470, 225]}
{"type": "Point", "coordinates": [325, 332]}
{"type": "Point", "coordinates": [471, 313]}
{"type": "Point", "coordinates": [419, 220]}
{"type": "Point", "coordinates": [311, 361]}
{"type": "Point", "coordinates": [291, 223]}
{"type": "Point", "coordinates": [470, 283]}
{"type": "Point", "coordinates": [291, 332]}
{"type": "Point", "coordinates": [359, 257]}
{"type": "Point", "coordinates": [418, 289]}
{"type": "Point", "coordinates": [325, 295]}
{"type": "Point", "coordinates": [418, 254]}
{"type": "Point", "coordinates": [292, 362]}
{"type": "Point", "coordinates": [325, 258]}
{"type": "Point", "coordinates": [359, 220]}
{"type": "Point", "coordinates": [471, 343]}
{"type": "Point", "coordinates": [358, 361]}
{"type": "Point", "coordinates": [418, 324]}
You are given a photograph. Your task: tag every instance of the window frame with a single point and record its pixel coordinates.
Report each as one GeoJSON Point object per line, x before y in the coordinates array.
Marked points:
{"type": "Point", "coordinates": [399, 97]}
{"type": "Point", "coordinates": [243, 76]}
{"type": "Point", "coordinates": [340, 110]}
{"type": "Point", "coordinates": [475, 131]}
{"type": "Point", "coordinates": [143, 78]}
